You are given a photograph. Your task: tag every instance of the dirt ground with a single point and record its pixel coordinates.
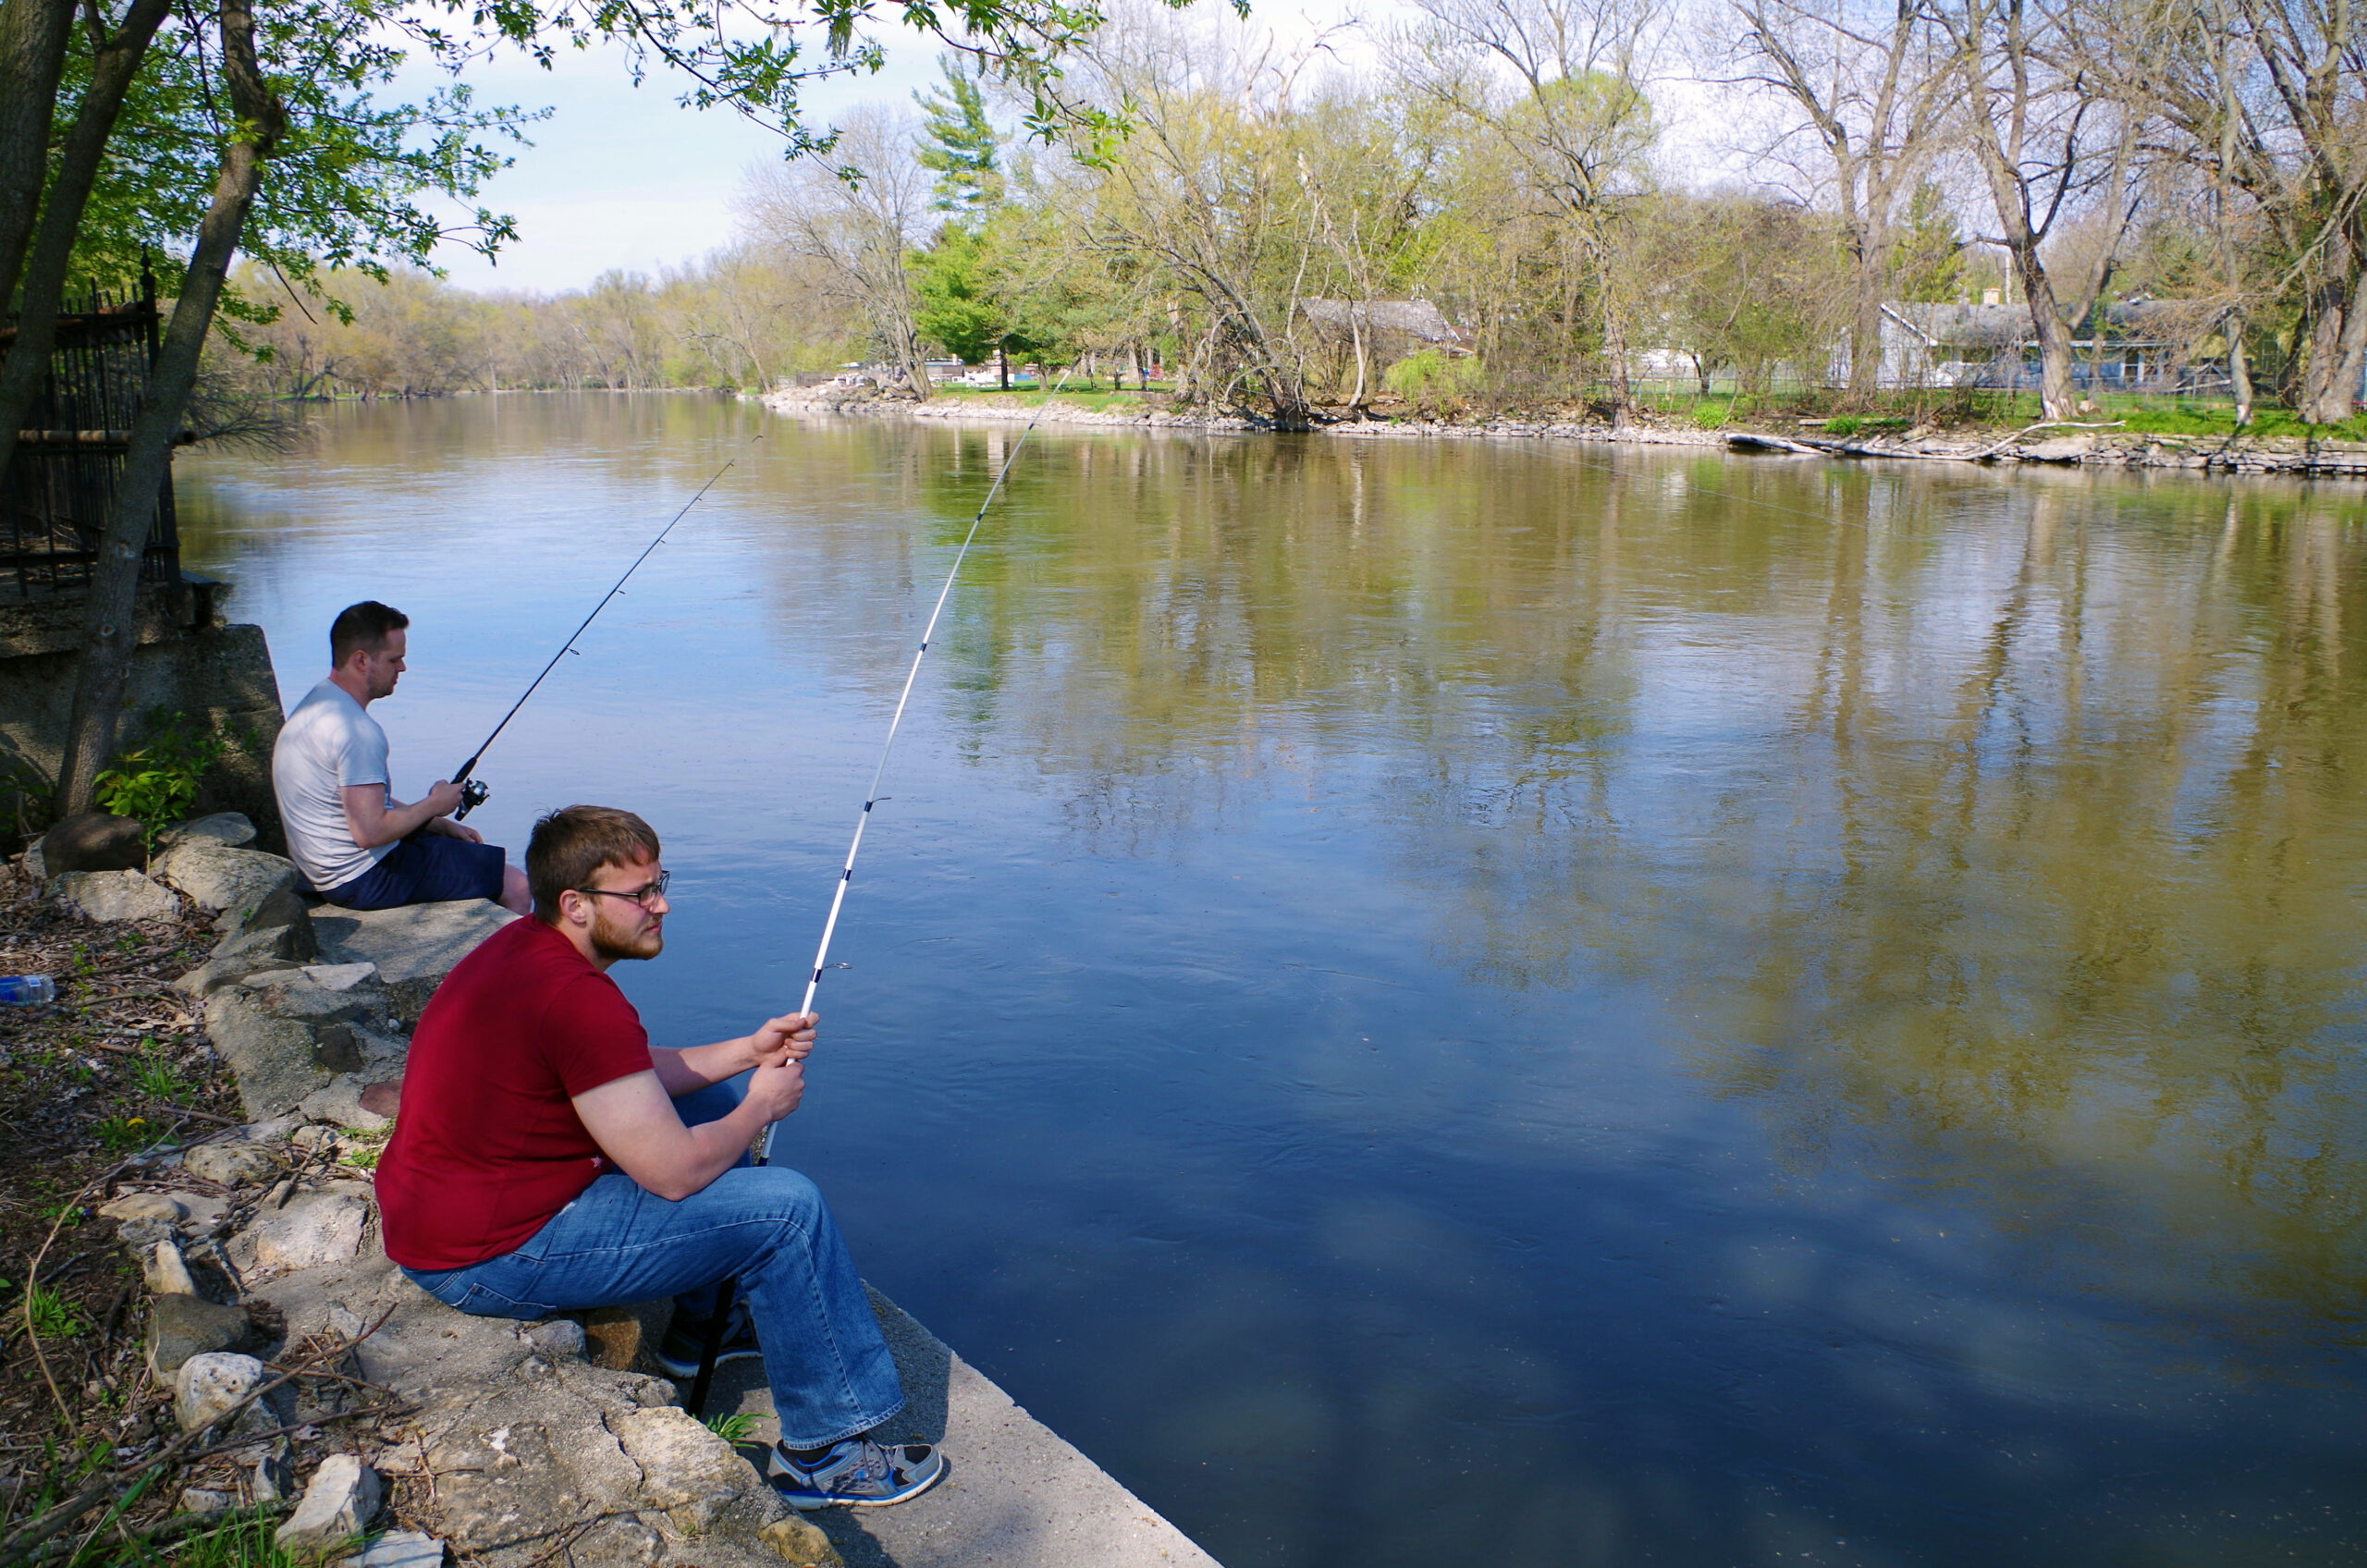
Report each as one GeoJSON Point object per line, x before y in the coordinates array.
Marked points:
{"type": "Point", "coordinates": [119, 1064]}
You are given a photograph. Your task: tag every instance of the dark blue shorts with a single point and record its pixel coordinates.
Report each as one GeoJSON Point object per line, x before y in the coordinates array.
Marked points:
{"type": "Point", "coordinates": [425, 870]}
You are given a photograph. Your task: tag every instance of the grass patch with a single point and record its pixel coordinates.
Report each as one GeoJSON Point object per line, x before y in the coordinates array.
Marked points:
{"type": "Point", "coordinates": [735, 1428]}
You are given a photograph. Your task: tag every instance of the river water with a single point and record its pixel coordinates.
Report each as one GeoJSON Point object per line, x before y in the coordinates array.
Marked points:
{"type": "Point", "coordinates": [1460, 1002]}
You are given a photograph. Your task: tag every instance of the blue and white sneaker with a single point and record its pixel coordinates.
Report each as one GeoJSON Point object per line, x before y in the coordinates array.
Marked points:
{"type": "Point", "coordinates": [858, 1473]}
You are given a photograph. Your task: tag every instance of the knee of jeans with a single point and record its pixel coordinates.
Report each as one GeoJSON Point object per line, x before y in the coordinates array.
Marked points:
{"type": "Point", "coordinates": [784, 1195]}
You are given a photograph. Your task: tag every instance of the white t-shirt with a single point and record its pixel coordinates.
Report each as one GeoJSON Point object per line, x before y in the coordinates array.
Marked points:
{"type": "Point", "coordinates": [327, 744]}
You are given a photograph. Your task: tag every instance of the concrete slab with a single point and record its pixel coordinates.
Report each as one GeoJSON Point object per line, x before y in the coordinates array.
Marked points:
{"type": "Point", "coordinates": [1014, 1495]}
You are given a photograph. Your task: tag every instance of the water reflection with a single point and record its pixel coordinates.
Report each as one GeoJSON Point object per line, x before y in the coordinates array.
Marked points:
{"type": "Point", "coordinates": [1735, 1009]}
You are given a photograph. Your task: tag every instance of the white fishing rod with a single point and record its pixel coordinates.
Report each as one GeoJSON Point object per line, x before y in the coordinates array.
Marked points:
{"type": "Point", "coordinates": [729, 1291]}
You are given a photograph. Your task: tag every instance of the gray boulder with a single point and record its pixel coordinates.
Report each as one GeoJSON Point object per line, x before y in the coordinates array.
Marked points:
{"type": "Point", "coordinates": [245, 953]}
{"type": "Point", "coordinates": [235, 1163]}
{"type": "Point", "coordinates": [315, 1228]}
{"type": "Point", "coordinates": [414, 946]}
{"type": "Point", "coordinates": [686, 1469]}
{"type": "Point", "coordinates": [182, 1326]}
{"type": "Point", "coordinates": [226, 827]}
{"type": "Point", "coordinates": [93, 840]}
{"type": "Point", "coordinates": [217, 878]}
{"type": "Point", "coordinates": [339, 1501]}
{"type": "Point", "coordinates": [208, 1387]}
{"type": "Point", "coordinates": [115, 895]}
{"type": "Point", "coordinates": [341, 1104]}
{"type": "Point", "coordinates": [401, 1549]}
{"type": "Point", "coordinates": [289, 1037]}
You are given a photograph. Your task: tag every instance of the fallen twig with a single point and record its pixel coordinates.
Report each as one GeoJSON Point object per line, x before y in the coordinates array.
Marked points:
{"type": "Point", "coordinates": [19, 1548]}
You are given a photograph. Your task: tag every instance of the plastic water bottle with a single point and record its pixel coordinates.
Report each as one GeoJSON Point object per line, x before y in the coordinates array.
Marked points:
{"type": "Point", "coordinates": [25, 989]}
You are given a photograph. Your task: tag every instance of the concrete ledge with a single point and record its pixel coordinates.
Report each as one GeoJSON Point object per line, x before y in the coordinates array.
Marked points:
{"type": "Point", "coordinates": [1016, 1494]}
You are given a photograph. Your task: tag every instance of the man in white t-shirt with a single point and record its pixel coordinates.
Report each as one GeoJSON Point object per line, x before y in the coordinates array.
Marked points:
{"type": "Point", "coordinates": [357, 845]}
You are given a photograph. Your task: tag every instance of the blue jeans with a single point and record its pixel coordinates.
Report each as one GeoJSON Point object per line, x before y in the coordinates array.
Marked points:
{"type": "Point", "coordinates": [831, 1370]}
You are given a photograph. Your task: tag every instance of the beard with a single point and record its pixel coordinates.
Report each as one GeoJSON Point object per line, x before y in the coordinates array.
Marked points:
{"type": "Point", "coordinates": [612, 941]}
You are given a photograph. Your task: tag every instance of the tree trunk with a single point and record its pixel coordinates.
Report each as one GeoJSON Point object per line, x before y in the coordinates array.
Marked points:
{"type": "Point", "coordinates": [2338, 353]}
{"type": "Point", "coordinates": [2056, 396]}
{"type": "Point", "coordinates": [32, 54]}
{"type": "Point", "coordinates": [110, 630]}
{"type": "Point", "coordinates": [2240, 371]}
{"type": "Point", "coordinates": [1866, 330]}
{"type": "Point", "coordinates": [53, 248]}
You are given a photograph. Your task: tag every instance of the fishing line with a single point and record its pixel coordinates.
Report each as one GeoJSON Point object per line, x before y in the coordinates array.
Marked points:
{"type": "Point", "coordinates": [472, 793]}
{"type": "Point", "coordinates": [720, 1313]}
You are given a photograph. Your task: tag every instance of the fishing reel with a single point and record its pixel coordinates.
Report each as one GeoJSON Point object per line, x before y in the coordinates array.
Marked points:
{"type": "Point", "coordinates": [472, 794]}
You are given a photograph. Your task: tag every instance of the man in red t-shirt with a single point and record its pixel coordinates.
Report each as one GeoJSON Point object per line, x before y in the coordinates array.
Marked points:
{"type": "Point", "coordinates": [548, 1158]}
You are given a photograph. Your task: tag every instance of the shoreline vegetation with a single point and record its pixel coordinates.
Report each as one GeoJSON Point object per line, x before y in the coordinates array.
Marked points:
{"type": "Point", "coordinates": [2095, 440]}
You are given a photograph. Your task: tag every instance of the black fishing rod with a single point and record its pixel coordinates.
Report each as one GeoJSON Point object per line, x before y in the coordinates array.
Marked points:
{"type": "Point", "coordinates": [473, 792]}
{"type": "Point", "coordinates": [729, 1291]}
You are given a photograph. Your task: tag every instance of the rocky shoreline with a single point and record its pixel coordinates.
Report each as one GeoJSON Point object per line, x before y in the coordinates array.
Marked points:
{"type": "Point", "coordinates": [290, 1381]}
{"type": "Point", "coordinates": [2077, 445]}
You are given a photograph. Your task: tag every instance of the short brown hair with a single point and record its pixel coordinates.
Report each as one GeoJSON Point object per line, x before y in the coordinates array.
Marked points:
{"type": "Point", "coordinates": [366, 625]}
{"type": "Point", "coordinates": [571, 845]}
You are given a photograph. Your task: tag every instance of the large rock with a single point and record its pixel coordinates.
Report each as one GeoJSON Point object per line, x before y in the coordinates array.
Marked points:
{"type": "Point", "coordinates": [339, 1501]}
{"type": "Point", "coordinates": [800, 1544]}
{"type": "Point", "coordinates": [315, 1228]}
{"type": "Point", "coordinates": [235, 1163]}
{"type": "Point", "coordinates": [400, 1549]}
{"type": "Point", "coordinates": [244, 953]}
{"type": "Point", "coordinates": [217, 878]}
{"type": "Point", "coordinates": [686, 1469]}
{"type": "Point", "coordinates": [414, 946]}
{"type": "Point", "coordinates": [289, 1035]}
{"type": "Point", "coordinates": [225, 827]}
{"type": "Point", "coordinates": [115, 895]}
{"type": "Point", "coordinates": [182, 1326]}
{"type": "Point", "coordinates": [93, 840]}
{"type": "Point", "coordinates": [343, 1103]}
{"type": "Point", "coordinates": [208, 1387]}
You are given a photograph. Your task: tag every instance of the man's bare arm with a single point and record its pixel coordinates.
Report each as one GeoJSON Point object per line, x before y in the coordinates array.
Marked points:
{"type": "Point", "coordinates": [633, 1121]}
{"type": "Point", "coordinates": [374, 817]}
{"type": "Point", "coordinates": [790, 1036]}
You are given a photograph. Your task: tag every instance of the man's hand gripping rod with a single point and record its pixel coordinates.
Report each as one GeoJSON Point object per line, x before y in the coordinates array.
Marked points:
{"type": "Point", "coordinates": [473, 792]}
{"type": "Point", "coordinates": [725, 1295]}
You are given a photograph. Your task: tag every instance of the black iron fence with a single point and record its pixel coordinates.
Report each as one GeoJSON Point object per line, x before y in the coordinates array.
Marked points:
{"type": "Point", "coordinates": [60, 483]}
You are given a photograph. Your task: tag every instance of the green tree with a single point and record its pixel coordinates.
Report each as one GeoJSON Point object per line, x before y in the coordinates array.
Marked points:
{"type": "Point", "coordinates": [960, 144]}
{"type": "Point", "coordinates": [955, 284]}
{"type": "Point", "coordinates": [1927, 250]}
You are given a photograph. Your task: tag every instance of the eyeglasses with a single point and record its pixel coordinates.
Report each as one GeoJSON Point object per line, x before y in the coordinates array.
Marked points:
{"type": "Point", "coordinates": [645, 895]}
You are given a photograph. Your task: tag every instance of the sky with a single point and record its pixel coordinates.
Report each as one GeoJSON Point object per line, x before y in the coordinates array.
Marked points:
{"type": "Point", "coordinates": [621, 178]}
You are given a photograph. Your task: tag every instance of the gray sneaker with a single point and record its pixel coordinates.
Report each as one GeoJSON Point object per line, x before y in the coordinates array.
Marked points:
{"type": "Point", "coordinates": [858, 1473]}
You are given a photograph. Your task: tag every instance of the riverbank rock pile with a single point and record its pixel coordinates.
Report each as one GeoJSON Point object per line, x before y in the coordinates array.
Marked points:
{"type": "Point", "coordinates": [2099, 446]}
{"type": "Point", "coordinates": [514, 1444]}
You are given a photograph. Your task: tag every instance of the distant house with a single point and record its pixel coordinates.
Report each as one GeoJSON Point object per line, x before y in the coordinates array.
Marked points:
{"type": "Point", "coordinates": [2139, 345]}
{"type": "Point", "coordinates": [1407, 321]}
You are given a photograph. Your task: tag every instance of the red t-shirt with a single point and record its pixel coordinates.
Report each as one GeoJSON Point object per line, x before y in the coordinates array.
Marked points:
{"type": "Point", "coordinates": [486, 1145]}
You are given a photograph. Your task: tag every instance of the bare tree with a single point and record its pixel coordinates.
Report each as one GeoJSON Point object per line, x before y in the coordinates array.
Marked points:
{"type": "Point", "coordinates": [2052, 144]}
{"type": "Point", "coordinates": [856, 212]}
{"type": "Point", "coordinates": [1559, 85]}
{"type": "Point", "coordinates": [1870, 85]}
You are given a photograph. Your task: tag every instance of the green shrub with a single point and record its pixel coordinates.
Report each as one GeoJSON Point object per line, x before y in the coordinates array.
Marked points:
{"type": "Point", "coordinates": [1712, 416]}
{"type": "Point", "coordinates": [157, 783]}
{"type": "Point", "coordinates": [1843, 424]}
{"type": "Point", "coordinates": [1431, 375]}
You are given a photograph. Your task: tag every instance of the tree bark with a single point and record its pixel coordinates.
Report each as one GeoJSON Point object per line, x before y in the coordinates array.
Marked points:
{"type": "Point", "coordinates": [109, 629]}
{"type": "Point", "coordinates": [2239, 370]}
{"type": "Point", "coordinates": [53, 248]}
{"type": "Point", "coordinates": [2337, 352]}
{"type": "Point", "coordinates": [32, 54]}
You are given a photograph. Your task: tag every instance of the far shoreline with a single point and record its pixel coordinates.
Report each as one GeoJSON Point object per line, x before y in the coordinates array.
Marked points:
{"type": "Point", "coordinates": [2097, 444]}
